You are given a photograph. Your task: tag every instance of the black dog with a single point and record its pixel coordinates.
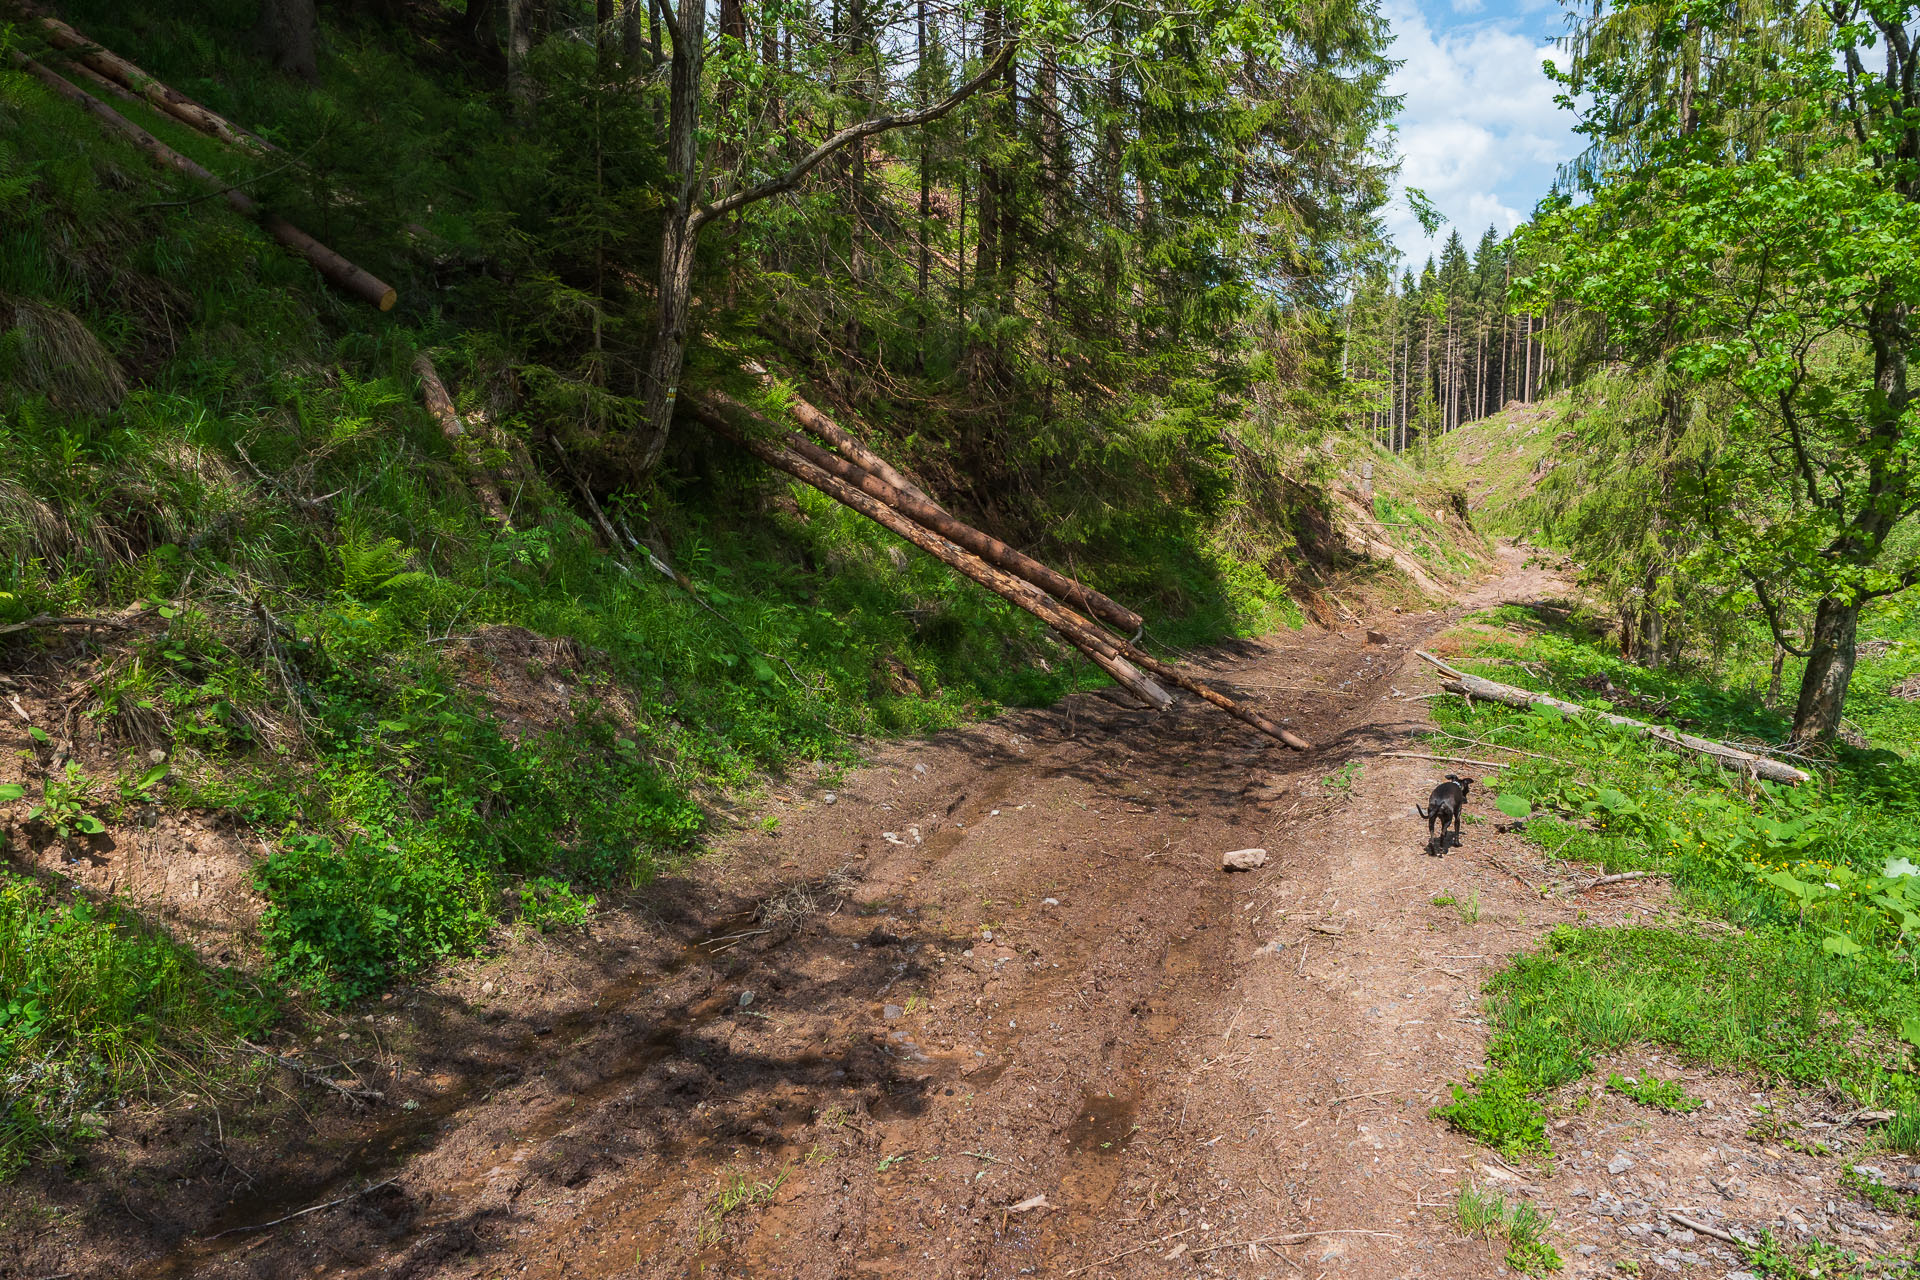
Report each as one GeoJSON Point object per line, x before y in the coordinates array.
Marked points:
{"type": "Point", "coordinates": [1444, 807]}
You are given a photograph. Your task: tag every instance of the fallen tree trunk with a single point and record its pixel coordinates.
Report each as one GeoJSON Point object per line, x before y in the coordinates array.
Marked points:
{"type": "Point", "coordinates": [1077, 631]}
{"type": "Point", "coordinates": [897, 491]}
{"type": "Point", "coordinates": [1512, 696]}
{"type": "Point", "coordinates": [987, 547]}
{"type": "Point", "coordinates": [342, 274]}
{"type": "Point", "coordinates": [49, 622]}
{"type": "Point", "coordinates": [111, 65]}
{"type": "Point", "coordinates": [100, 82]}
{"type": "Point", "coordinates": [434, 393]}
{"type": "Point", "coordinates": [1111, 655]}
{"type": "Point", "coordinates": [850, 447]}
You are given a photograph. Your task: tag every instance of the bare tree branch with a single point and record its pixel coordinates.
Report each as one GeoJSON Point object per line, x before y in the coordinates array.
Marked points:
{"type": "Point", "coordinates": [849, 135]}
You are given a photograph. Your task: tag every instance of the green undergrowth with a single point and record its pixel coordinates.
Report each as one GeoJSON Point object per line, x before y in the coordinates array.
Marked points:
{"type": "Point", "coordinates": [1439, 545]}
{"type": "Point", "coordinates": [95, 1004]}
{"type": "Point", "coordinates": [1524, 1227]}
{"type": "Point", "coordinates": [1502, 461]}
{"type": "Point", "coordinates": [1790, 948]}
{"type": "Point", "coordinates": [1663, 1095]}
{"type": "Point", "coordinates": [1773, 1258]}
{"type": "Point", "coordinates": [433, 726]}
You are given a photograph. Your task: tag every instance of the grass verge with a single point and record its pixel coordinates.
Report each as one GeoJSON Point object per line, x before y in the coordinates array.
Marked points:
{"type": "Point", "coordinates": [1789, 952]}
{"type": "Point", "coordinates": [1524, 1227]}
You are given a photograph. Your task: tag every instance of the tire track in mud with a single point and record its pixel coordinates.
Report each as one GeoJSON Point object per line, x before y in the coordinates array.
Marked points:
{"type": "Point", "coordinates": [1000, 1006]}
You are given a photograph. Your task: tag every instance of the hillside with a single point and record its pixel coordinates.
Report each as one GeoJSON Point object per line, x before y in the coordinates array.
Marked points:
{"type": "Point", "coordinates": [1501, 460]}
{"type": "Point", "coordinates": [310, 706]}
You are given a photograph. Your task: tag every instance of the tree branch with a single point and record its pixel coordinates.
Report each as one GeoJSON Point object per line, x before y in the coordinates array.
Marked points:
{"type": "Point", "coordinates": [662, 12]}
{"type": "Point", "coordinates": [1772, 610]}
{"type": "Point", "coordinates": [851, 134]}
{"type": "Point", "coordinates": [1800, 448]}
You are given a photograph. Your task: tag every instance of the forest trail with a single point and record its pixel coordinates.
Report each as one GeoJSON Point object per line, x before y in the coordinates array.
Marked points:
{"type": "Point", "coordinates": [1011, 968]}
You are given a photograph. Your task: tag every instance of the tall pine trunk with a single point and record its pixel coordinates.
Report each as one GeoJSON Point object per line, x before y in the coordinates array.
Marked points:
{"type": "Point", "coordinates": [286, 32]}
{"type": "Point", "coordinates": [519, 44]}
{"type": "Point", "coordinates": [679, 236]}
{"type": "Point", "coordinates": [987, 212]}
{"type": "Point", "coordinates": [925, 264]}
{"type": "Point", "coordinates": [1526, 393]}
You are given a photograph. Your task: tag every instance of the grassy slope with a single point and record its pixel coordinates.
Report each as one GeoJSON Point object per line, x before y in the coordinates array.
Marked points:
{"type": "Point", "coordinates": [1499, 460]}
{"type": "Point", "coordinates": [189, 421]}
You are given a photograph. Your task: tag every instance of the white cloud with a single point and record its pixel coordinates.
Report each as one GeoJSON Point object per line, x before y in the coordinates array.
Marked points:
{"type": "Point", "coordinates": [1479, 131]}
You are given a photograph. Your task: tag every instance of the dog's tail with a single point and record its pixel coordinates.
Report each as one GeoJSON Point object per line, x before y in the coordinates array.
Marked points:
{"type": "Point", "coordinates": [1422, 812]}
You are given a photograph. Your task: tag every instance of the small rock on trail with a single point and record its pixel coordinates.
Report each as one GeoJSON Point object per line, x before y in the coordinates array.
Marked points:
{"type": "Point", "coordinates": [1243, 859]}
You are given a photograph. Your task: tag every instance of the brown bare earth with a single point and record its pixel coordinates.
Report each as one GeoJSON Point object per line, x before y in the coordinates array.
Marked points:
{"type": "Point", "coordinates": [990, 1008]}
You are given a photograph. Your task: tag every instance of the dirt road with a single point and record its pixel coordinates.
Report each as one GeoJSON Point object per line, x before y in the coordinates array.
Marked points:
{"type": "Point", "coordinates": [1000, 1013]}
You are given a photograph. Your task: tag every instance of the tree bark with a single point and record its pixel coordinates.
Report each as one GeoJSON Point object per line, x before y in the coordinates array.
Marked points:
{"type": "Point", "coordinates": [633, 40]}
{"type": "Point", "coordinates": [680, 231]}
{"type": "Point", "coordinates": [1528, 397]}
{"type": "Point", "coordinates": [1652, 623]}
{"type": "Point", "coordinates": [287, 31]}
{"type": "Point", "coordinates": [987, 209]}
{"type": "Point", "coordinates": [1830, 659]}
{"type": "Point", "coordinates": [1070, 626]}
{"type": "Point", "coordinates": [519, 45]}
{"type": "Point", "coordinates": [922, 91]}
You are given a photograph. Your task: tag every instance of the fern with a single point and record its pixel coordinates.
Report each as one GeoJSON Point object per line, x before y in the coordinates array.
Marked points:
{"type": "Point", "coordinates": [370, 569]}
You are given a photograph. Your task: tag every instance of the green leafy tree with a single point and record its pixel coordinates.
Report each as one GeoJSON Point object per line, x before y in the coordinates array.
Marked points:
{"type": "Point", "coordinates": [1764, 242]}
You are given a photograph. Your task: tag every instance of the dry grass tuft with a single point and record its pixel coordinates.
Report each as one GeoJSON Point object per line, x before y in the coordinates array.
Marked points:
{"type": "Point", "coordinates": [51, 352]}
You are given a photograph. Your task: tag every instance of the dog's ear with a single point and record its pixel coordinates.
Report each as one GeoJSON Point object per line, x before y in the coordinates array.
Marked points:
{"type": "Point", "coordinates": [1453, 777]}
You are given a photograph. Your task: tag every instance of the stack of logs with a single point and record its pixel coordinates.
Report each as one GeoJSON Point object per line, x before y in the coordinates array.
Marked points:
{"type": "Point", "coordinates": [851, 474]}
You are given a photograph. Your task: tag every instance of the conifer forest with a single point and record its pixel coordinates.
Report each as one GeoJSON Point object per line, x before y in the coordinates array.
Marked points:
{"type": "Point", "coordinates": [959, 638]}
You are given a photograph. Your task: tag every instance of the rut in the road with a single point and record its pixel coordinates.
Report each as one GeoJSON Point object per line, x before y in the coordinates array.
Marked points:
{"type": "Point", "coordinates": [1040, 984]}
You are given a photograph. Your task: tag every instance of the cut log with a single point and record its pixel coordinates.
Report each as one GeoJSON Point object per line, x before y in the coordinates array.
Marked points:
{"type": "Point", "coordinates": [434, 393]}
{"type": "Point", "coordinates": [1077, 631]}
{"type": "Point", "coordinates": [850, 448]}
{"type": "Point", "coordinates": [1513, 696]}
{"type": "Point", "coordinates": [100, 82]}
{"type": "Point", "coordinates": [986, 546]}
{"type": "Point", "coordinates": [342, 274]}
{"type": "Point", "coordinates": [1109, 653]}
{"type": "Point", "coordinates": [107, 63]}
{"type": "Point", "coordinates": [49, 622]}
{"type": "Point", "coordinates": [897, 491]}
{"type": "Point", "coordinates": [1380, 548]}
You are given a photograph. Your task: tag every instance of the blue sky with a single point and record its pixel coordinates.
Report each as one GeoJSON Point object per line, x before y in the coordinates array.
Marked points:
{"type": "Point", "coordinates": [1478, 131]}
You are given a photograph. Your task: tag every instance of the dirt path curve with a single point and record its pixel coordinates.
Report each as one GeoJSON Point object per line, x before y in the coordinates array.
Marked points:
{"type": "Point", "coordinates": [1004, 964]}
